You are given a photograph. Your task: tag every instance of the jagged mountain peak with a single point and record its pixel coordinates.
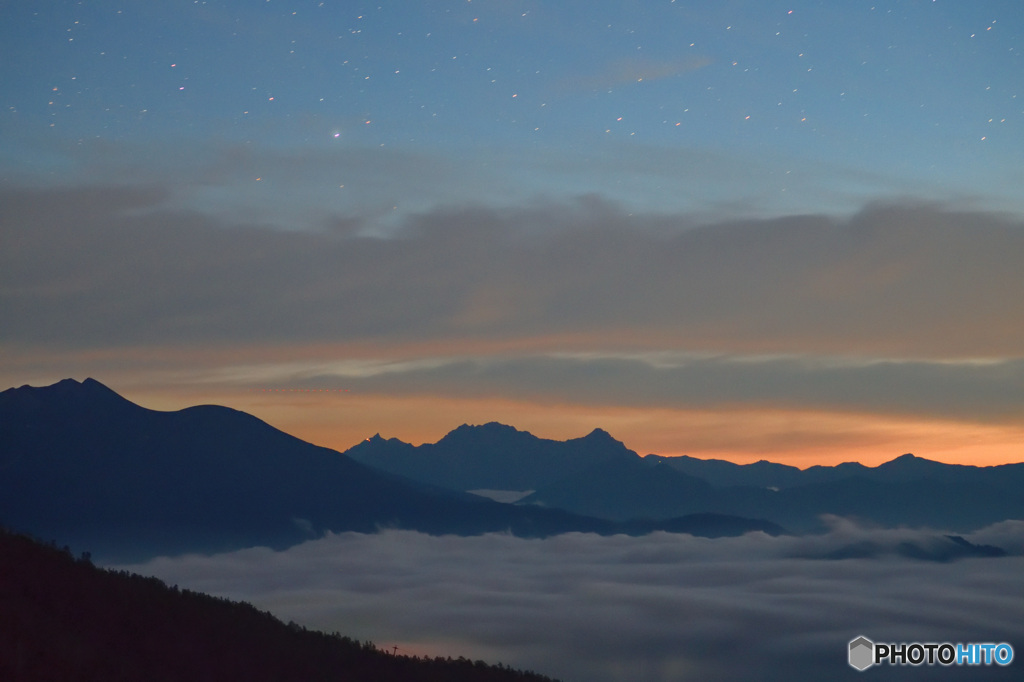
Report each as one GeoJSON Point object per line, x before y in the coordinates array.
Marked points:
{"type": "Point", "coordinates": [600, 441]}
{"type": "Point", "coordinates": [600, 434]}
{"type": "Point", "coordinates": [492, 456]}
{"type": "Point", "coordinates": [908, 466]}
{"type": "Point", "coordinates": [64, 394]}
{"type": "Point", "coordinates": [908, 457]}
{"type": "Point", "coordinates": [490, 428]}
{"type": "Point", "coordinates": [908, 461]}
{"type": "Point", "coordinates": [491, 433]}
{"type": "Point", "coordinates": [65, 387]}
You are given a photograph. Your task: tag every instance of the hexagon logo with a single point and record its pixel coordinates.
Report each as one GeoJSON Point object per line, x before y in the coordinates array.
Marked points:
{"type": "Point", "coordinates": [862, 653]}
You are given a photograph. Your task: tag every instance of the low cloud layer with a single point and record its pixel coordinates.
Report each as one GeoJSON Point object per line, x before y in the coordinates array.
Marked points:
{"type": "Point", "coordinates": [661, 607]}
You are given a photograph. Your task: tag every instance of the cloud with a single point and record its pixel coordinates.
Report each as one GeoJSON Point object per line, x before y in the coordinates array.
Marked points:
{"type": "Point", "coordinates": [662, 607]}
{"type": "Point", "coordinates": [969, 391]}
{"type": "Point", "coordinates": [94, 268]}
{"type": "Point", "coordinates": [633, 71]}
{"type": "Point", "coordinates": [900, 310]}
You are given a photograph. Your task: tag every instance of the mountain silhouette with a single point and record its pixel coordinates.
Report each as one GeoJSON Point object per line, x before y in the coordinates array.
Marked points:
{"type": "Point", "coordinates": [721, 473]}
{"type": "Point", "coordinates": [629, 488]}
{"type": "Point", "coordinates": [909, 491]}
{"type": "Point", "coordinates": [82, 465]}
{"type": "Point", "coordinates": [598, 476]}
{"type": "Point", "coordinates": [492, 456]}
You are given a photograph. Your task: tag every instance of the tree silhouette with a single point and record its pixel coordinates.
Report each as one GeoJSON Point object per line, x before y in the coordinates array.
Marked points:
{"type": "Point", "coordinates": [65, 619]}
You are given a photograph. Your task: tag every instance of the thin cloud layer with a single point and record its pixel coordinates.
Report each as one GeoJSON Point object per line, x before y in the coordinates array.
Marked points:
{"type": "Point", "coordinates": [662, 607]}
{"type": "Point", "coordinates": [969, 391]}
{"type": "Point", "coordinates": [633, 71]}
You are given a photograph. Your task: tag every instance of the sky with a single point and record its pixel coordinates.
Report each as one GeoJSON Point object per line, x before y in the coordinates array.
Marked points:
{"type": "Point", "coordinates": [735, 229]}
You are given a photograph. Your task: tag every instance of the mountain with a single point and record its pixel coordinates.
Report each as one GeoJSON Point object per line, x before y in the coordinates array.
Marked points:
{"type": "Point", "coordinates": [628, 489]}
{"type": "Point", "coordinates": [612, 482]}
{"type": "Point", "coordinates": [918, 546]}
{"type": "Point", "coordinates": [65, 619]}
{"type": "Point", "coordinates": [907, 467]}
{"type": "Point", "coordinates": [721, 473]}
{"type": "Point", "coordinates": [82, 465]}
{"type": "Point", "coordinates": [906, 491]}
{"type": "Point", "coordinates": [492, 456]}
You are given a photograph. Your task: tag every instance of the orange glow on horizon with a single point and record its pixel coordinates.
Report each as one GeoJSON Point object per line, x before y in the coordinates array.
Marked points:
{"type": "Point", "coordinates": [339, 420]}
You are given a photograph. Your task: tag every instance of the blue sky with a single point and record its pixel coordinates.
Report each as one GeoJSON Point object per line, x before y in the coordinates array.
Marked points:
{"type": "Point", "coordinates": [472, 198]}
{"type": "Point", "coordinates": [753, 107]}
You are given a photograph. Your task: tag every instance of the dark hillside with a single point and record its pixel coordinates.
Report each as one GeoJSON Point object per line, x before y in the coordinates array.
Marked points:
{"type": "Point", "coordinates": [65, 619]}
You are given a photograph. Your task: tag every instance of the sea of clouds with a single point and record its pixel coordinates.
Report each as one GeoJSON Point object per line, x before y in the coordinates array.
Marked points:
{"type": "Point", "coordinates": [587, 608]}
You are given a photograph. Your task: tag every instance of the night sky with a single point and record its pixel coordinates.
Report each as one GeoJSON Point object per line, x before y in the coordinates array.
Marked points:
{"type": "Point", "coordinates": [734, 229]}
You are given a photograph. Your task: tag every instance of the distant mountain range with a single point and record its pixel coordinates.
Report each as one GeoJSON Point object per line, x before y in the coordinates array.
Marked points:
{"type": "Point", "coordinates": [598, 476]}
{"type": "Point", "coordinates": [83, 466]}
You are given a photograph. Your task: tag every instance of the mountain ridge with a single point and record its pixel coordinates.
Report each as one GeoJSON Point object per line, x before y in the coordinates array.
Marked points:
{"type": "Point", "coordinates": [87, 467]}
{"type": "Point", "coordinates": [490, 456]}
{"type": "Point", "coordinates": [905, 490]}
